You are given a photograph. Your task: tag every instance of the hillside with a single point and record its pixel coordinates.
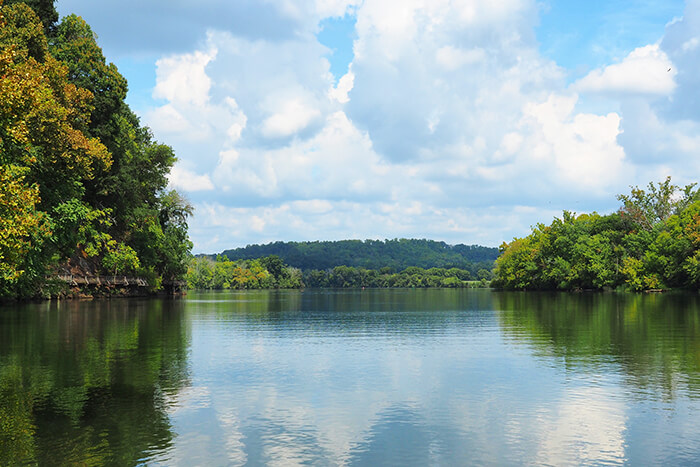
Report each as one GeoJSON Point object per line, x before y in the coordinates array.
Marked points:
{"type": "Point", "coordinates": [397, 254]}
{"type": "Point", "coordinates": [83, 184]}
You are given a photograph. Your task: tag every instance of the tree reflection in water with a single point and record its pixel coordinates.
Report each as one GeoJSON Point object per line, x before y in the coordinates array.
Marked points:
{"type": "Point", "coordinates": [86, 382]}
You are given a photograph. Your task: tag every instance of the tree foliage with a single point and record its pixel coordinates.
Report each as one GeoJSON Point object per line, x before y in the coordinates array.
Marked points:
{"type": "Point", "coordinates": [272, 272]}
{"type": "Point", "coordinates": [411, 277]}
{"type": "Point", "coordinates": [397, 254]}
{"type": "Point", "coordinates": [45, 10]}
{"type": "Point", "coordinates": [222, 273]}
{"type": "Point", "coordinates": [24, 229]}
{"type": "Point", "coordinates": [43, 115]}
{"type": "Point", "coordinates": [81, 159]}
{"type": "Point", "coordinates": [650, 243]}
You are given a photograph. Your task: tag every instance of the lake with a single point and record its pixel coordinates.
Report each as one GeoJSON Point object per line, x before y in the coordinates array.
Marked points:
{"type": "Point", "coordinates": [353, 377]}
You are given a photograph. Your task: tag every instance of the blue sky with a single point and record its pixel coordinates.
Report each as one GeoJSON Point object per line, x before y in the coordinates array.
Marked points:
{"type": "Point", "coordinates": [463, 121]}
{"type": "Point", "coordinates": [586, 35]}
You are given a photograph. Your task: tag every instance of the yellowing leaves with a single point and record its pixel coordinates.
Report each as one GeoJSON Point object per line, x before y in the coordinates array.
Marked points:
{"type": "Point", "coordinates": [42, 114]}
{"type": "Point", "coordinates": [23, 228]}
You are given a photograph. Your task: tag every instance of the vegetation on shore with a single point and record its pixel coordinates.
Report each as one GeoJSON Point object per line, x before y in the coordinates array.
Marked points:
{"type": "Point", "coordinates": [271, 272]}
{"type": "Point", "coordinates": [83, 186]}
{"type": "Point", "coordinates": [397, 254]}
{"type": "Point", "coordinates": [651, 242]}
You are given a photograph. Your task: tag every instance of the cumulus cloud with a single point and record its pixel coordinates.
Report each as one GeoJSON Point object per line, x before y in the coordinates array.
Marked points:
{"type": "Point", "coordinates": [447, 109]}
{"type": "Point", "coordinates": [582, 147]}
{"type": "Point", "coordinates": [337, 162]}
{"type": "Point", "coordinates": [289, 117]}
{"type": "Point", "coordinates": [182, 79]}
{"type": "Point", "coordinates": [660, 128]}
{"type": "Point", "coordinates": [186, 180]}
{"type": "Point", "coordinates": [341, 91]}
{"type": "Point", "coordinates": [452, 58]}
{"type": "Point", "coordinates": [646, 70]}
{"type": "Point", "coordinates": [434, 78]}
{"type": "Point", "coordinates": [449, 123]}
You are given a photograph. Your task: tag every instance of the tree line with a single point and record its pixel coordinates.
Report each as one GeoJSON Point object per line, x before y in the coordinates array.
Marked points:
{"type": "Point", "coordinates": [651, 242]}
{"type": "Point", "coordinates": [397, 254]}
{"type": "Point", "coordinates": [82, 183]}
{"type": "Point", "coordinates": [271, 272]}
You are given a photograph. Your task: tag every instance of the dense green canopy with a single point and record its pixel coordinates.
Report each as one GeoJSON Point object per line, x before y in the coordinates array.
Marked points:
{"type": "Point", "coordinates": [652, 242]}
{"type": "Point", "coordinates": [397, 254]}
{"type": "Point", "coordinates": [272, 272]}
{"type": "Point", "coordinates": [85, 180]}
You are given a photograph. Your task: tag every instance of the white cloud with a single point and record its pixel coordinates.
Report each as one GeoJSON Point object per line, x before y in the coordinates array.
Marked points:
{"type": "Point", "coordinates": [239, 120]}
{"type": "Point", "coordinates": [186, 180]}
{"type": "Point", "coordinates": [290, 117]}
{"type": "Point", "coordinates": [182, 79]}
{"type": "Point", "coordinates": [691, 44]}
{"type": "Point", "coordinates": [340, 92]}
{"type": "Point", "coordinates": [582, 147]}
{"type": "Point", "coordinates": [447, 112]}
{"type": "Point", "coordinates": [168, 119]}
{"type": "Point", "coordinates": [452, 58]}
{"type": "Point", "coordinates": [661, 130]}
{"type": "Point", "coordinates": [338, 161]}
{"type": "Point", "coordinates": [646, 70]}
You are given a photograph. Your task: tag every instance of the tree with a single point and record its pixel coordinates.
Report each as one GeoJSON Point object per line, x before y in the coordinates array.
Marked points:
{"type": "Point", "coordinates": [42, 115]}
{"type": "Point", "coordinates": [76, 46]}
{"type": "Point", "coordinates": [42, 143]}
{"type": "Point", "coordinates": [44, 9]}
{"type": "Point", "coordinates": [120, 258]}
{"type": "Point", "coordinates": [101, 179]}
{"type": "Point", "coordinates": [174, 211]}
{"type": "Point", "coordinates": [22, 231]}
{"type": "Point", "coordinates": [21, 28]}
{"type": "Point", "coordinates": [649, 208]}
{"type": "Point", "coordinates": [275, 266]}
{"type": "Point", "coordinates": [652, 242]}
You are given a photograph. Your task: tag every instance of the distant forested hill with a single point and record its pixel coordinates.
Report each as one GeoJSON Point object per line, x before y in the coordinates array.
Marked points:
{"type": "Point", "coordinates": [397, 254]}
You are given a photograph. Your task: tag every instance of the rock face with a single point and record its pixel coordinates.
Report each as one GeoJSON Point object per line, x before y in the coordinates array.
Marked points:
{"type": "Point", "coordinates": [79, 265]}
{"type": "Point", "coordinates": [80, 278]}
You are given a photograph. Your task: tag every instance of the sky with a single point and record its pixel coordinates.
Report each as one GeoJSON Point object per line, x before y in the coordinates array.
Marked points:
{"type": "Point", "coordinates": [456, 120]}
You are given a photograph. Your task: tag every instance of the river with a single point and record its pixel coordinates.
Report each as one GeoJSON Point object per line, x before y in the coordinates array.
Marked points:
{"type": "Point", "coordinates": [353, 377]}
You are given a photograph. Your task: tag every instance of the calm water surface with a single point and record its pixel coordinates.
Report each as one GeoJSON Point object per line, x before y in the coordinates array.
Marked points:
{"type": "Point", "coordinates": [373, 377]}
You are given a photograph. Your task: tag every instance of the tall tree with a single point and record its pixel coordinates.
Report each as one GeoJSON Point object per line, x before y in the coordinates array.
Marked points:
{"type": "Point", "coordinates": [76, 46]}
{"type": "Point", "coordinates": [44, 9]}
{"type": "Point", "coordinates": [100, 178]}
{"type": "Point", "coordinates": [42, 115]}
{"type": "Point", "coordinates": [655, 205]}
{"type": "Point", "coordinates": [23, 231]}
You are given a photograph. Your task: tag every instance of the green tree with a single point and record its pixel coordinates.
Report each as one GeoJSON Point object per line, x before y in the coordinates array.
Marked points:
{"type": "Point", "coordinates": [42, 116]}
{"type": "Point", "coordinates": [651, 243]}
{"type": "Point", "coordinates": [174, 212]}
{"type": "Point", "coordinates": [657, 204]}
{"type": "Point", "coordinates": [76, 46]}
{"type": "Point", "coordinates": [46, 11]}
{"type": "Point", "coordinates": [101, 178]}
{"type": "Point", "coordinates": [275, 266]}
{"type": "Point", "coordinates": [120, 258]}
{"type": "Point", "coordinates": [22, 232]}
